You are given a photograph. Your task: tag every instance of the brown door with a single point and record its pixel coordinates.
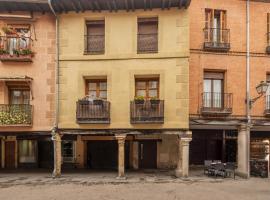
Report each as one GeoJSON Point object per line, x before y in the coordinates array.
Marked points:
{"type": "Point", "coordinates": [10, 154]}
{"type": "Point", "coordinates": [148, 154]}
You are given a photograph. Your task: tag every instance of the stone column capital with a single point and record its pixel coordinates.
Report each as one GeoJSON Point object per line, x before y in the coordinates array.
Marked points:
{"type": "Point", "coordinates": [185, 141]}
{"type": "Point", "coordinates": [121, 138]}
{"type": "Point", "coordinates": [244, 127]}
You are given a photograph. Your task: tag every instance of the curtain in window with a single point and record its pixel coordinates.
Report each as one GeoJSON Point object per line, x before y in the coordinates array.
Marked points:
{"type": "Point", "coordinates": [27, 151]}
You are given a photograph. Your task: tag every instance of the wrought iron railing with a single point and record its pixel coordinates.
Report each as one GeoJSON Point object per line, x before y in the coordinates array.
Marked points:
{"type": "Point", "coordinates": [15, 48]}
{"type": "Point", "coordinates": [147, 111]}
{"type": "Point", "coordinates": [216, 39]}
{"type": "Point", "coordinates": [20, 114]}
{"type": "Point", "coordinates": [93, 112]}
{"type": "Point", "coordinates": [94, 44]}
{"type": "Point", "coordinates": [267, 105]}
{"type": "Point", "coordinates": [216, 103]}
{"type": "Point", "coordinates": [147, 43]}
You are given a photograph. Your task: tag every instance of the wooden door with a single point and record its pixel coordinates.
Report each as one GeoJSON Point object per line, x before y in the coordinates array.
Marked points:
{"type": "Point", "coordinates": [147, 154]}
{"type": "Point", "coordinates": [10, 154]}
{"type": "Point", "coordinates": [45, 154]}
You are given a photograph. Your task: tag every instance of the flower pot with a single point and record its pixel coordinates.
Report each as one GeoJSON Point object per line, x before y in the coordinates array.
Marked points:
{"type": "Point", "coordinates": [84, 102]}
{"type": "Point", "coordinates": [98, 102]}
{"type": "Point", "coordinates": [155, 101]}
{"type": "Point", "coordinates": [139, 101]}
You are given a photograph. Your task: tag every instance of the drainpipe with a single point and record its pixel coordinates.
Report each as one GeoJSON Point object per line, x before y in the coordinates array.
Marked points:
{"type": "Point", "coordinates": [55, 136]}
{"type": "Point", "coordinates": [248, 111]}
{"type": "Point", "coordinates": [248, 90]}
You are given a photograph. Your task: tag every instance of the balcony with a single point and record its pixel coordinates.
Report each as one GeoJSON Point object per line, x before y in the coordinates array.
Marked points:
{"type": "Point", "coordinates": [147, 111]}
{"type": "Point", "coordinates": [147, 43]}
{"type": "Point", "coordinates": [94, 44]}
{"type": "Point", "coordinates": [216, 39]}
{"type": "Point", "coordinates": [267, 106]}
{"type": "Point", "coordinates": [93, 112]}
{"type": "Point", "coordinates": [216, 104]}
{"type": "Point", "coordinates": [15, 115]}
{"type": "Point", "coordinates": [15, 49]}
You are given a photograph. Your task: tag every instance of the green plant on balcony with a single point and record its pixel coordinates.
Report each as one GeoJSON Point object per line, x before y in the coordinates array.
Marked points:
{"type": "Point", "coordinates": [9, 31]}
{"type": "Point", "coordinates": [3, 51]}
{"type": "Point", "coordinates": [14, 117]}
{"type": "Point", "coordinates": [154, 100]}
{"type": "Point", "coordinates": [26, 52]}
{"type": "Point", "coordinates": [139, 99]}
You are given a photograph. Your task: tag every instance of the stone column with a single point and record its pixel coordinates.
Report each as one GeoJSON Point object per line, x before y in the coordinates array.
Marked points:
{"type": "Point", "coordinates": [183, 157]}
{"type": "Point", "coordinates": [57, 154]}
{"type": "Point", "coordinates": [121, 156]}
{"type": "Point", "coordinates": [243, 151]}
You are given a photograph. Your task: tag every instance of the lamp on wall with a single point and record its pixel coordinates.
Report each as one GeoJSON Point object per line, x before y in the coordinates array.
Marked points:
{"type": "Point", "coordinates": [261, 90]}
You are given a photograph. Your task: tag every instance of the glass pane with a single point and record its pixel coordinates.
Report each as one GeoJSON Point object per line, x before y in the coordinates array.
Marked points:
{"type": "Point", "coordinates": [103, 86]}
{"type": "Point", "coordinates": [153, 84]}
{"type": "Point", "coordinates": [153, 93]}
{"type": "Point", "coordinates": [217, 96]}
{"type": "Point", "coordinates": [140, 84]}
{"type": "Point", "coordinates": [92, 86]}
{"type": "Point", "coordinates": [207, 97]}
{"type": "Point", "coordinates": [93, 94]}
{"type": "Point", "coordinates": [217, 86]}
{"type": "Point", "coordinates": [27, 151]}
{"type": "Point", "coordinates": [103, 94]}
{"type": "Point", "coordinates": [141, 93]}
{"type": "Point", "coordinates": [26, 97]}
{"type": "Point", "coordinates": [16, 97]}
{"type": "Point", "coordinates": [68, 151]}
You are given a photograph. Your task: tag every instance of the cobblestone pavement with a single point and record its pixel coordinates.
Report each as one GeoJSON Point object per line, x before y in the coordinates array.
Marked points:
{"type": "Point", "coordinates": [160, 185]}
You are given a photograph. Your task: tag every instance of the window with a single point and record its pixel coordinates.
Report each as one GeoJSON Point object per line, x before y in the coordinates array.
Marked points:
{"type": "Point", "coordinates": [95, 37]}
{"type": "Point", "coordinates": [19, 92]}
{"type": "Point", "coordinates": [96, 89]}
{"type": "Point", "coordinates": [20, 40]}
{"type": "Point", "coordinates": [213, 89]}
{"type": "Point", "coordinates": [147, 88]}
{"type": "Point", "coordinates": [27, 151]}
{"type": "Point", "coordinates": [215, 25]}
{"type": "Point", "coordinates": [68, 151]}
{"type": "Point", "coordinates": [147, 39]}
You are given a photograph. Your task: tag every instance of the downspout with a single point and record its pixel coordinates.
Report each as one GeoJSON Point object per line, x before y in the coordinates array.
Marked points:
{"type": "Point", "coordinates": [248, 109]}
{"type": "Point", "coordinates": [248, 90]}
{"type": "Point", "coordinates": [55, 136]}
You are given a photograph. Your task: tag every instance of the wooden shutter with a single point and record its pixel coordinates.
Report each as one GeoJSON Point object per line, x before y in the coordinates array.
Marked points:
{"type": "Point", "coordinates": [208, 24]}
{"type": "Point", "coordinates": [95, 36]}
{"type": "Point", "coordinates": [223, 32]}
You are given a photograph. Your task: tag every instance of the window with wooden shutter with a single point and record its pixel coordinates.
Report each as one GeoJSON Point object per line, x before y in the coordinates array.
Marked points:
{"type": "Point", "coordinates": [147, 88]}
{"type": "Point", "coordinates": [96, 89]}
{"type": "Point", "coordinates": [147, 40]}
{"type": "Point", "coordinates": [95, 38]}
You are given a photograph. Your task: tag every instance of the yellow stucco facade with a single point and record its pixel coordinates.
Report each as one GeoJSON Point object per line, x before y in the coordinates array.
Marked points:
{"type": "Point", "coordinates": [120, 65]}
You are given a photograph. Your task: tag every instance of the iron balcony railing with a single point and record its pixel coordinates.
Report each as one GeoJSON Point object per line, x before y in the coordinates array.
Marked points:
{"type": "Point", "coordinates": [216, 39]}
{"type": "Point", "coordinates": [216, 103]}
{"type": "Point", "coordinates": [93, 112]}
{"type": "Point", "coordinates": [94, 44]}
{"type": "Point", "coordinates": [15, 48]}
{"type": "Point", "coordinates": [267, 105]}
{"type": "Point", "coordinates": [19, 114]}
{"type": "Point", "coordinates": [268, 43]}
{"type": "Point", "coordinates": [147, 43]}
{"type": "Point", "coordinates": [147, 111]}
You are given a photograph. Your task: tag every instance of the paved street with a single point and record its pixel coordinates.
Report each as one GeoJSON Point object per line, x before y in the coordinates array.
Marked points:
{"type": "Point", "coordinates": [158, 186]}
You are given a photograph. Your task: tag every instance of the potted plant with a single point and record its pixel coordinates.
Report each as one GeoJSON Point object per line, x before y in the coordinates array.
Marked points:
{"type": "Point", "coordinates": [9, 31]}
{"type": "Point", "coordinates": [139, 100]}
{"type": "Point", "coordinates": [98, 101]}
{"type": "Point", "coordinates": [154, 100]}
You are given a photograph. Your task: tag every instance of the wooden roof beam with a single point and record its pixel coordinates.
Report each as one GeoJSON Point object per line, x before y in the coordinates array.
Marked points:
{"type": "Point", "coordinates": [180, 3]}
{"type": "Point", "coordinates": [61, 5]}
{"type": "Point", "coordinates": [26, 1]}
{"type": "Point", "coordinates": [132, 5]}
{"type": "Point", "coordinates": [150, 6]}
{"type": "Point", "coordinates": [81, 6]}
{"type": "Point", "coordinates": [90, 5]}
{"type": "Point", "coordinates": [126, 4]}
{"type": "Point", "coordinates": [39, 8]}
{"type": "Point", "coordinates": [145, 4]}
{"type": "Point", "coordinates": [74, 6]}
{"type": "Point", "coordinates": [97, 5]}
{"type": "Point", "coordinates": [169, 4]}
{"type": "Point", "coordinates": [115, 5]}
{"type": "Point", "coordinates": [109, 5]}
